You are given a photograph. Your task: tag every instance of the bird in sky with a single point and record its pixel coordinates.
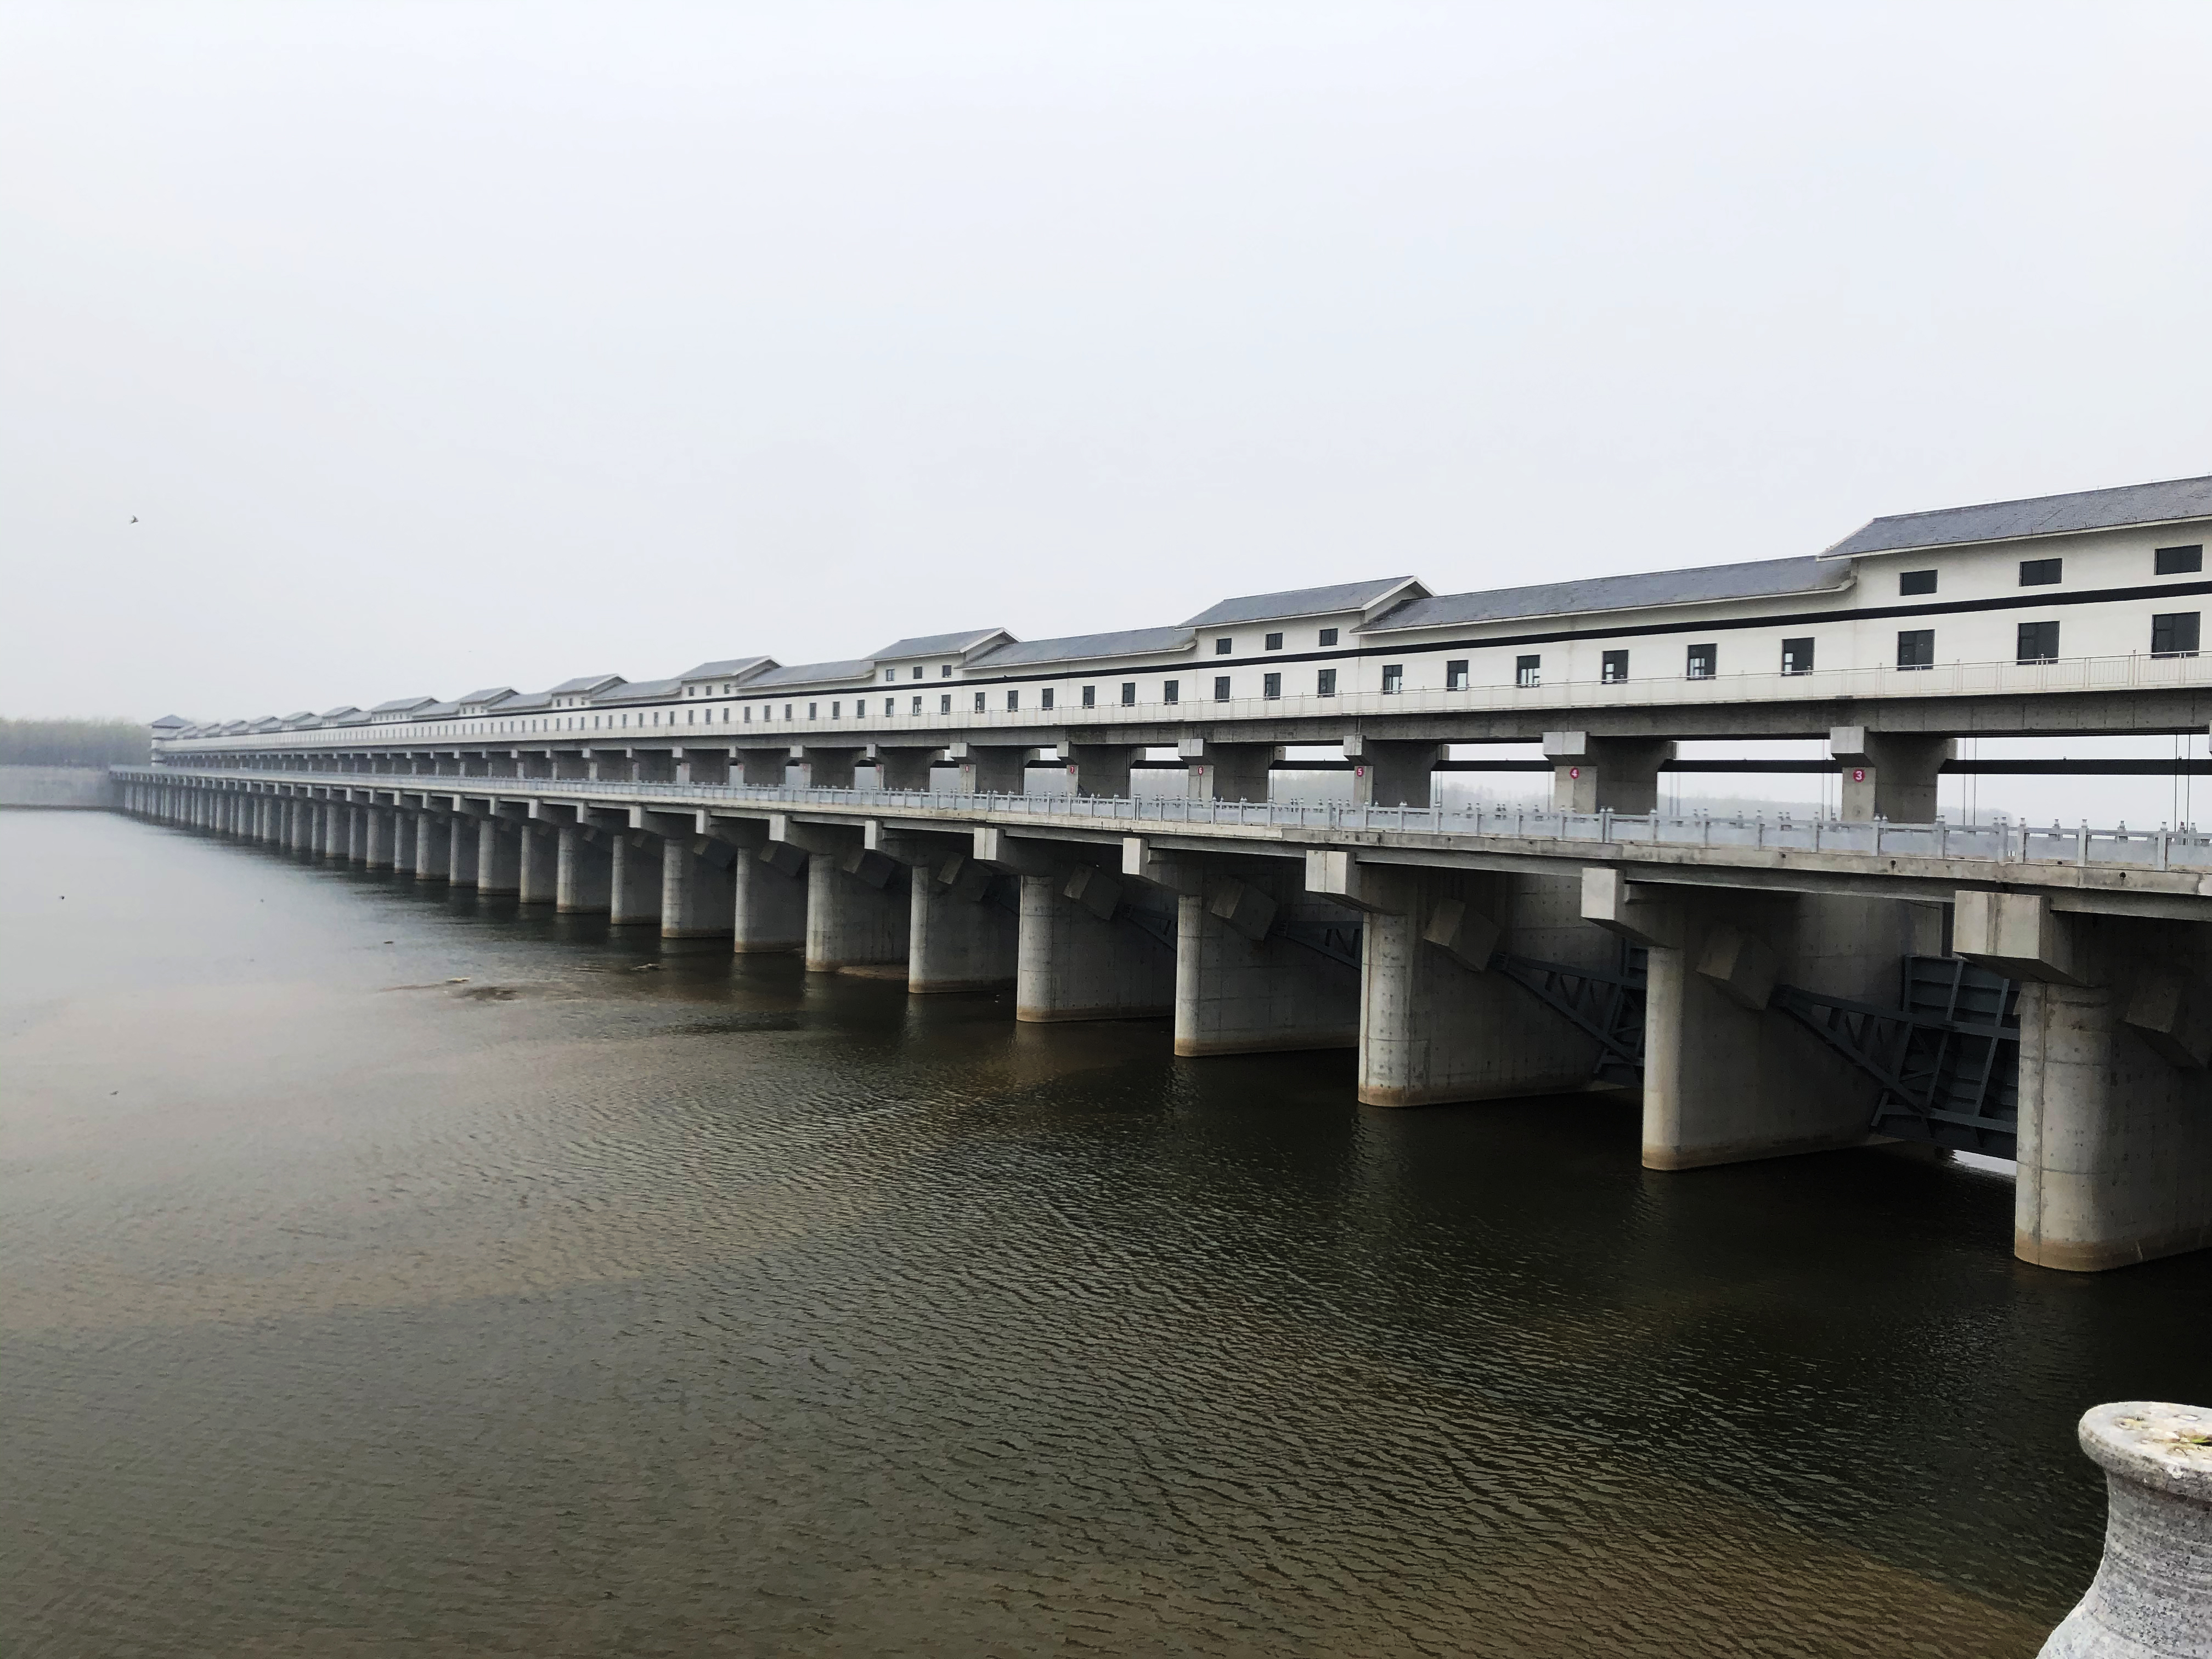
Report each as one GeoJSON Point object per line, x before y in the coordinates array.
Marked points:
{"type": "Point", "coordinates": [134, 518]}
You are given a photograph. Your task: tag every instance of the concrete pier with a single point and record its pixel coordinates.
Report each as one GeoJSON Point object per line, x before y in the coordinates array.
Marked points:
{"type": "Point", "coordinates": [499, 857]}
{"type": "Point", "coordinates": [697, 897]}
{"type": "Point", "coordinates": [634, 883]}
{"type": "Point", "coordinates": [963, 921]}
{"type": "Point", "coordinates": [1254, 965]}
{"type": "Point", "coordinates": [583, 878]}
{"type": "Point", "coordinates": [858, 911]}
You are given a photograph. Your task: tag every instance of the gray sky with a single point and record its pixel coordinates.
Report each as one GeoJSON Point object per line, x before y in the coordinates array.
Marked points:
{"type": "Point", "coordinates": [438, 345]}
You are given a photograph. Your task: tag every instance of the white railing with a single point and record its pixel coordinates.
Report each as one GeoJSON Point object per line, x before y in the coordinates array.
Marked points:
{"type": "Point", "coordinates": [1955, 679]}
{"type": "Point", "coordinates": [2155, 850]}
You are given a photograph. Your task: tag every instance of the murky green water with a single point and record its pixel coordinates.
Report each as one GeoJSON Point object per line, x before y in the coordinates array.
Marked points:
{"type": "Point", "coordinates": [386, 1273]}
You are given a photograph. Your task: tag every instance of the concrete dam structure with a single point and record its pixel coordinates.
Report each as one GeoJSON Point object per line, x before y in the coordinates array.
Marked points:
{"type": "Point", "coordinates": [1767, 987]}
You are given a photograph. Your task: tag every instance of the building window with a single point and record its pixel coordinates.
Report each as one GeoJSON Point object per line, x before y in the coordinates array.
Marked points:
{"type": "Point", "coordinates": [915, 673]}
{"type": "Point", "coordinates": [1528, 671]}
{"type": "Point", "coordinates": [1393, 679]}
{"type": "Point", "coordinates": [1325, 683]}
{"type": "Point", "coordinates": [1223, 647]}
{"type": "Point", "coordinates": [1171, 692]}
{"type": "Point", "coordinates": [1915, 647]}
{"type": "Point", "coordinates": [979, 702]}
{"type": "Point", "coordinates": [917, 705]}
{"type": "Point", "coordinates": [944, 703]}
{"type": "Point", "coordinates": [2038, 642]}
{"type": "Point", "coordinates": [786, 711]}
{"type": "Point", "coordinates": [2177, 561]}
{"type": "Point", "coordinates": [2041, 573]}
{"type": "Point", "coordinates": [1328, 636]}
{"type": "Point", "coordinates": [1916, 581]}
{"type": "Point", "coordinates": [1612, 666]}
{"type": "Point", "coordinates": [1128, 694]}
{"type": "Point", "coordinates": [1797, 656]}
{"type": "Point", "coordinates": [1013, 700]}
{"type": "Point", "coordinates": [837, 710]}
{"type": "Point", "coordinates": [1044, 697]}
{"type": "Point", "coordinates": [1221, 688]}
{"type": "Point", "coordinates": [943, 670]}
{"type": "Point", "coordinates": [1275, 642]}
{"type": "Point", "coordinates": [810, 710]}
{"type": "Point", "coordinates": [1456, 676]}
{"type": "Point", "coordinates": [748, 714]}
{"type": "Point", "coordinates": [1271, 685]}
{"type": "Point", "coordinates": [2174, 635]}
{"type": "Point", "coordinates": [890, 706]}
{"type": "Point", "coordinates": [889, 674]}
{"type": "Point", "coordinates": [1090, 696]}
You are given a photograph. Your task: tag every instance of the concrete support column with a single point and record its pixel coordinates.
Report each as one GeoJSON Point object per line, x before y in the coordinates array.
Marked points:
{"type": "Point", "coordinates": [1605, 774]}
{"type": "Point", "coordinates": [1102, 768]}
{"type": "Point", "coordinates": [2115, 1149]}
{"type": "Point", "coordinates": [1437, 1023]}
{"type": "Point", "coordinates": [904, 768]}
{"type": "Point", "coordinates": [764, 768]}
{"type": "Point", "coordinates": [991, 769]}
{"type": "Point", "coordinates": [697, 897]}
{"type": "Point", "coordinates": [1888, 775]}
{"type": "Point", "coordinates": [376, 838]}
{"type": "Point", "coordinates": [1227, 771]}
{"type": "Point", "coordinates": [300, 825]}
{"type": "Point", "coordinates": [1093, 944]}
{"type": "Point", "coordinates": [499, 856]}
{"type": "Point", "coordinates": [1391, 773]}
{"type": "Point", "coordinates": [583, 871]}
{"type": "Point", "coordinates": [1728, 1077]}
{"type": "Point", "coordinates": [963, 928]}
{"type": "Point", "coordinates": [856, 901]}
{"type": "Point", "coordinates": [825, 768]}
{"type": "Point", "coordinates": [767, 889]}
{"type": "Point", "coordinates": [433, 848]}
{"type": "Point", "coordinates": [634, 883]}
{"type": "Point", "coordinates": [461, 850]}
{"type": "Point", "coordinates": [334, 829]}
{"type": "Point", "coordinates": [1260, 963]}
{"type": "Point", "coordinates": [538, 875]}
{"type": "Point", "coordinates": [404, 853]}
{"type": "Point", "coordinates": [356, 835]}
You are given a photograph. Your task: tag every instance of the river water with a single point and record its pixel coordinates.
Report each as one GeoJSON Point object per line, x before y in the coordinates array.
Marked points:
{"type": "Point", "coordinates": [387, 1272]}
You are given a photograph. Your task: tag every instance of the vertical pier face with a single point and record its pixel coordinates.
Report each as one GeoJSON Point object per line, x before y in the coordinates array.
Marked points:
{"type": "Point", "coordinates": [2115, 1149]}
{"type": "Point", "coordinates": [433, 847]}
{"type": "Point", "coordinates": [697, 896]}
{"type": "Point", "coordinates": [461, 850]}
{"type": "Point", "coordinates": [634, 880]}
{"type": "Point", "coordinates": [963, 927]}
{"type": "Point", "coordinates": [583, 878]}
{"type": "Point", "coordinates": [538, 858]}
{"type": "Point", "coordinates": [1260, 963]}
{"type": "Point", "coordinates": [857, 909]}
{"type": "Point", "coordinates": [1090, 949]}
{"type": "Point", "coordinates": [499, 857]}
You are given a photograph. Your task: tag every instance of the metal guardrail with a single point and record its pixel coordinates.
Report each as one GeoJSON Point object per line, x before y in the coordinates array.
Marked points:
{"type": "Point", "coordinates": [2163, 848]}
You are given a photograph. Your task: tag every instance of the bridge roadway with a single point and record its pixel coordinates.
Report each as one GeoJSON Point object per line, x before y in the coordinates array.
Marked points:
{"type": "Point", "coordinates": [1754, 978]}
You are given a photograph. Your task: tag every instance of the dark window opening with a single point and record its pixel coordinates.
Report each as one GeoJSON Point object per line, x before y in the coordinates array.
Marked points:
{"type": "Point", "coordinates": [1090, 696]}
{"type": "Point", "coordinates": [2041, 573]}
{"type": "Point", "coordinates": [1275, 642]}
{"type": "Point", "coordinates": [1915, 647]}
{"type": "Point", "coordinates": [1704, 661]}
{"type": "Point", "coordinates": [1171, 692]}
{"type": "Point", "coordinates": [1223, 647]}
{"type": "Point", "coordinates": [1013, 700]}
{"type": "Point", "coordinates": [2038, 642]}
{"type": "Point", "coordinates": [1917, 581]}
{"type": "Point", "coordinates": [1044, 697]}
{"type": "Point", "coordinates": [2177, 561]}
{"type": "Point", "coordinates": [1456, 676]}
{"type": "Point", "coordinates": [979, 702]}
{"type": "Point", "coordinates": [1393, 679]}
{"type": "Point", "coordinates": [1128, 694]}
{"type": "Point", "coordinates": [1271, 685]}
{"type": "Point", "coordinates": [1528, 671]}
{"type": "Point", "coordinates": [1325, 683]}
{"type": "Point", "coordinates": [1221, 688]}
{"type": "Point", "coordinates": [1328, 636]}
{"type": "Point", "coordinates": [1796, 656]}
{"type": "Point", "coordinates": [2175, 636]}
{"type": "Point", "coordinates": [1612, 666]}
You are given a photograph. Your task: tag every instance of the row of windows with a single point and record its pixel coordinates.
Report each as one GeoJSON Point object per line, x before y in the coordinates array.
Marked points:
{"type": "Point", "coordinates": [2049, 572]}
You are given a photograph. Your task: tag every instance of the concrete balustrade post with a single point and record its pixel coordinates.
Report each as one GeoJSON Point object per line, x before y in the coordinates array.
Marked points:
{"type": "Point", "coordinates": [2152, 1596]}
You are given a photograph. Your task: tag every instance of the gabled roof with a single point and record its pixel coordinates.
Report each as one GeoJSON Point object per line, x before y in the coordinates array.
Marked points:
{"type": "Point", "coordinates": [584, 685]}
{"type": "Point", "coordinates": [486, 696]}
{"type": "Point", "coordinates": [303, 717]}
{"type": "Point", "coordinates": [1764, 578]}
{"type": "Point", "coordinates": [526, 701]}
{"type": "Point", "coordinates": [1308, 602]}
{"type": "Point", "coordinates": [941, 645]}
{"type": "Point", "coordinates": [340, 712]}
{"type": "Point", "coordinates": [402, 705]}
{"type": "Point", "coordinates": [170, 723]}
{"type": "Point", "coordinates": [639, 692]}
{"type": "Point", "coordinates": [729, 668]}
{"type": "Point", "coordinates": [1131, 642]}
{"type": "Point", "coordinates": [268, 723]}
{"type": "Point", "coordinates": [2173, 501]}
{"type": "Point", "coordinates": [234, 726]}
{"type": "Point", "coordinates": [829, 676]}
{"type": "Point", "coordinates": [437, 711]}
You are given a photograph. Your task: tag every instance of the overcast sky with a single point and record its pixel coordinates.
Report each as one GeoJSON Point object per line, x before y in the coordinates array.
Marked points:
{"type": "Point", "coordinates": [448, 345]}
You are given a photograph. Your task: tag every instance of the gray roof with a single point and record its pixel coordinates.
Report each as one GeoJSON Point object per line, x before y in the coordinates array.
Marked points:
{"type": "Point", "coordinates": [1765, 579]}
{"type": "Point", "coordinates": [584, 683]}
{"type": "Point", "coordinates": [488, 694]}
{"type": "Point", "coordinates": [1132, 642]}
{"type": "Point", "coordinates": [828, 674]}
{"type": "Point", "coordinates": [401, 705]}
{"type": "Point", "coordinates": [1300, 602]}
{"type": "Point", "coordinates": [729, 668]}
{"type": "Point", "coordinates": [170, 722]}
{"type": "Point", "coordinates": [639, 691]}
{"type": "Point", "coordinates": [340, 712]}
{"type": "Point", "coordinates": [2169, 502]}
{"type": "Point", "coordinates": [437, 711]}
{"type": "Point", "coordinates": [523, 701]}
{"type": "Point", "coordinates": [940, 645]}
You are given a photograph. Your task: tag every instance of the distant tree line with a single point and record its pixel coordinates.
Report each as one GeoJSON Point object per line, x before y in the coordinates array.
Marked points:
{"type": "Point", "coordinates": [74, 743]}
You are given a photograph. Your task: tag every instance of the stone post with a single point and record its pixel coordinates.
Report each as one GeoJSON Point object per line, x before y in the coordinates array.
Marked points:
{"type": "Point", "coordinates": [2152, 1596]}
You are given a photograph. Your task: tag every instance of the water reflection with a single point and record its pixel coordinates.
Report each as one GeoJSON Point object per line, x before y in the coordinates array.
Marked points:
{"type": "Point", "coordinates": [392, 1268]}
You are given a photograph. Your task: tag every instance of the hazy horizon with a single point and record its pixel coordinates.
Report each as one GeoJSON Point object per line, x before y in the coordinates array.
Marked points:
{"type": "Point", "coordinates": [435, 346]}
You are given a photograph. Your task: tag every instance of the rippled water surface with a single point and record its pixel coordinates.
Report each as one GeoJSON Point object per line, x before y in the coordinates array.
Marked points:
{"type": "Point", "coordinates": [386, 1272]}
